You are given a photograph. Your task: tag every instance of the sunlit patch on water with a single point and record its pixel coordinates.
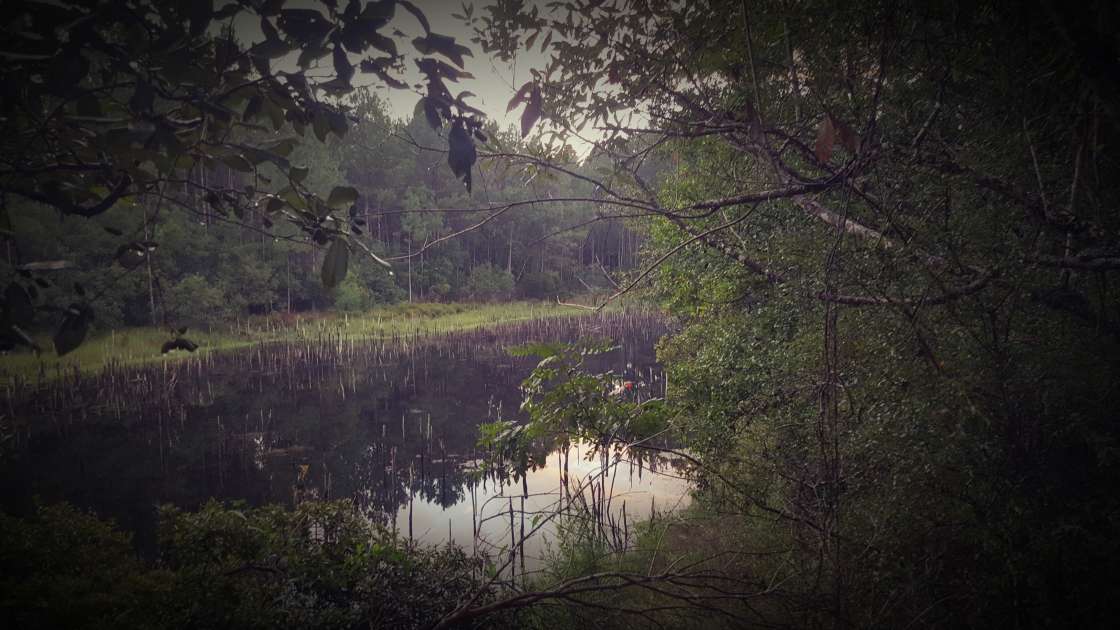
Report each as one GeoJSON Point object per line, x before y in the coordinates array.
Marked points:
{"type": "Point", "coordinates": [634, 492]}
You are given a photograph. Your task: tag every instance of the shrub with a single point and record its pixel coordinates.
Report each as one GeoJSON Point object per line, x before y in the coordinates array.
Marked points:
{"type": "Point", "coordinates": [488, 282]}
{"type": "Point", "coordinates": [322, 565]}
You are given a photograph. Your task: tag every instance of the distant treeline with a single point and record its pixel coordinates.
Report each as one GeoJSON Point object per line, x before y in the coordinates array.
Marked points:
{"type": "Point", "coordinates": [211, 260]}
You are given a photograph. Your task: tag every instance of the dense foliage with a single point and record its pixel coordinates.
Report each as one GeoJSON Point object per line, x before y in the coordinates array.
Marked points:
{"type": "Point", "coordinates": [319, 566]}
{"type": "Point", "coordinates": [889, 233]}
{"type": "Point", "coordinates": [223, 155]}
{"type": "Point", "coordinates": [211, 266]}
{"type": "Point", "coordinates": [891, 236]}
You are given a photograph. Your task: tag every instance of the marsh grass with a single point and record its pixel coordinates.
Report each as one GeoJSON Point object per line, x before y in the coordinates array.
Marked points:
{"type": "Point", "coordinates": [137, 346]}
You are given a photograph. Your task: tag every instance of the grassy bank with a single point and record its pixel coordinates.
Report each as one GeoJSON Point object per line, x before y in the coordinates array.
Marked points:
{"type": "Point", "coordinates": [132, 346]}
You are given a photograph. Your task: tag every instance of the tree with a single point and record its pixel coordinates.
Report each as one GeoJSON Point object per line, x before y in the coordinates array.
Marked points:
{"type": "Point", "coordinates": [891, 231]}
{"type": "Point", "coordinates": [107, 102]}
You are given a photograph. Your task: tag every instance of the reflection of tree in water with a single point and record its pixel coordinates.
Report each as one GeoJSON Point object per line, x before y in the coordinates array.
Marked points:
{"type": "Point", "coordinates": [243, 425]}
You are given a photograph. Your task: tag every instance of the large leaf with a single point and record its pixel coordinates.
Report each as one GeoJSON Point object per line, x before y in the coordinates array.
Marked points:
{"type": "Point", "coordinates": [444, 45]}
{"type": "Point", "coordinates": [298, 173]}
{"type": "Point", "coordinates": [17, 305]}
{"type": "Point", "coordinates": [253, 107]}
{"type": "Point", "coordinates": [382, 43]}
{"type": "Point", "coordinates": [342, 196]}
{"type": "Point", "coordinates": [270, 49]}
{"type": "Point", "coordinates": [72, 332]}
{"type": "Point", "coordinates": [334, 265]}
{"type": "Point", "coordinates": [377, 14]}
{"type": "Point", "coordinates": [431, 112]}
{"type": "Point", "coordinates": [417, 13]}
{"type": "Point", "coordinates": [532, 111]}
{"type": "Point", "coordinates": [342, 65]}
{"type": "Point", "coordinates": [132, 255]}
{"type": "Point", "coordinates": [310, 54]}
{"type": "Point", "coordinates": [237, 162]}
{"type": "Point", "coordinates": [305, 25]}
{"type": "Point", "coordinates": [321, 125]}
{"type": "Point", "coordinates": [200, 14]}
{"type": "Point", "coordinates": [49, 265]}
{"type": "Point", "coordinates": [461, 154]}
{"type": "Point", "coordinates": [520, 97]}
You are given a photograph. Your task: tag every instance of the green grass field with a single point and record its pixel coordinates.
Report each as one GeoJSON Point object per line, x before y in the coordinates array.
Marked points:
{"type": "Point", "coordinates": [141, 345]}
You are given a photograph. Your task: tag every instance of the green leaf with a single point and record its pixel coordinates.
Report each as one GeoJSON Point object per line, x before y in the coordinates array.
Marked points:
{"type": "Point", "coordinates": [334, 265]}
{"type": "Point", "coordinates": [132, 255]}
{"type": "Point", "coordinates": [321, 125]}
{"type": "Point", "coordinates": [298, 173]}
{"type": "Point", "coordinates": [342, 196]}
{"type": "Point", "coordinates": [237, 162]}
{"type": "Point", "coordinates": [275, 113]}
{"type": "Point", "coordinates": [282, 147]}
{"type": "Point", "coordinates": [252, 108]}
{"type": "Point", "coordinates": [53, 265]}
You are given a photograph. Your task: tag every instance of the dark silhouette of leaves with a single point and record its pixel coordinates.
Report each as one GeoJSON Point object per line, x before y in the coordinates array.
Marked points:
{"type": "Point", "coordinates": [72, 332]}
{"type": "Point", "coordinates": [532, 111]}
{"type": "Point", "coordinates": [444, 45]}
{"type": "Point", "coordinates": [461, 154]}
{"type": "Point", "coordinates": [342, 196]}
{"type": "Point", "coordinates": [178, 343]}
{"type": "Point", "coordinates": [18, 309]}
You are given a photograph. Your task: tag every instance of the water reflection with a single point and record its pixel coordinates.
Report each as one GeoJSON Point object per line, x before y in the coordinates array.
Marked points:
{"type": "Point", "coordinates": [634, 492]}
{"type": "Point", "coordinates": [390, 424]}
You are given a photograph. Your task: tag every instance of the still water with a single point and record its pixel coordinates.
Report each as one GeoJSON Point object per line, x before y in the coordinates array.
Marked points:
{"type": "Point", "coordinates": [388, 424]}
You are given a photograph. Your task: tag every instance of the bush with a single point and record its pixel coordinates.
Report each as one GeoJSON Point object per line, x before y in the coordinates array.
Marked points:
{"type": "Point", "coordinates": [322, 565]}
{"type": "Point", "coordinates": [197, 301]}
{"type": "Point", "coordinates": [488, 282]}
{"type": "Point", "coordinates": [352, 295]}
{"type": "Point", "coordinates": [540, 285]}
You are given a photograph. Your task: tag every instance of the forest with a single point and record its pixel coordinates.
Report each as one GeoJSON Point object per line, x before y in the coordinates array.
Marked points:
{"type": "Point", "coordinates": [548, 314]}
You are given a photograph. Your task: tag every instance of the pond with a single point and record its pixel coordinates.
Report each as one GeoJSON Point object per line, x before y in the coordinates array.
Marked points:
{"type": "Point", "coordinates": [390, 424]}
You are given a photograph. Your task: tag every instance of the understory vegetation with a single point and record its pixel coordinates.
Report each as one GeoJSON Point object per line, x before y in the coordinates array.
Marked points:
{"type": "Point", "coordinates": [317, 566]}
